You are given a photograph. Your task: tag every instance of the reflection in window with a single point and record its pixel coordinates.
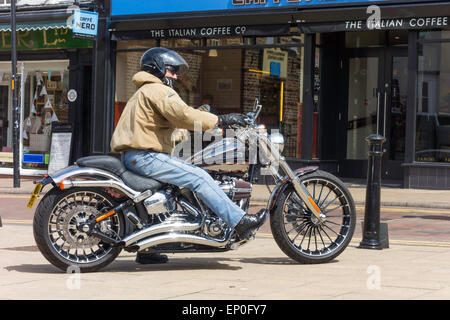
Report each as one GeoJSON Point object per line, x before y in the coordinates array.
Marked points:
{"type": "Point", "coordinates": [364, 39]}
{"type": "Point", "coordinates": [433, 107]}
{"type": "Point", "coordinates": [434, 35]}
{"type": "Point", "coordinates": [362, 105]}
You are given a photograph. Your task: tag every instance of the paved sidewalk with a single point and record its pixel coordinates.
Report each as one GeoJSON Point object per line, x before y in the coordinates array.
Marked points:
{"type": "Point", "coordinates": [26, 186]}
{"type": "Point", "coordinates": [258, 270]}
{"type": "Point", "coordinates": [417, 198]}
{"type": "Point", "coordinates": [416, 266]}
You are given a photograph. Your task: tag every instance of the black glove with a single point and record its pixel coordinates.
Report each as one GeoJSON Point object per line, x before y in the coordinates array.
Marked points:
{"type": "Point", "coordinates": [232, 120]}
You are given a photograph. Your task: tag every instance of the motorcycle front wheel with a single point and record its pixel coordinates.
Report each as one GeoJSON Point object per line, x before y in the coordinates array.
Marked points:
{"type": "Point", "coordinates": [300, 235]}
{"type": "Point", "coordinates": [59, 237]}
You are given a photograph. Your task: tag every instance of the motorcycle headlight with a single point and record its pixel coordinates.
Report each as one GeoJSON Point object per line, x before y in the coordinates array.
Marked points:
{"type": "Point", "coordinates": [277, 140]}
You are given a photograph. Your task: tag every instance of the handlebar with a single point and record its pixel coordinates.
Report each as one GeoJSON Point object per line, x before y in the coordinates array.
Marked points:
{"type": "Point", "coordinates": [252, 116]}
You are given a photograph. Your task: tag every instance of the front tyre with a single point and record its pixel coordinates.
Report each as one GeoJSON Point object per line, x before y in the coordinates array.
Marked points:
{"type": "Point", "coordinates": [298, 232]}
{"type": "Point", "coordinates": [59, 237]}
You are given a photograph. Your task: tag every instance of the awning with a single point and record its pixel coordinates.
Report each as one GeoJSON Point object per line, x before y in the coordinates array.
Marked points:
{"type": "Point", "coordinates": [41, 25]}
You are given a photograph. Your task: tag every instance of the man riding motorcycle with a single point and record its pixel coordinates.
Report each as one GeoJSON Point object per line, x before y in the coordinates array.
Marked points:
{"type": "Point", "coordinates": [143, 137]}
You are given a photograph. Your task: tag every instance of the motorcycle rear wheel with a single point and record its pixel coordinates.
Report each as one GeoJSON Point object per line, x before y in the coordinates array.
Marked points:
{"type": "Point", "coordinates": [300, 235]}
{"type": "Point", "coordinates": [62, 243]}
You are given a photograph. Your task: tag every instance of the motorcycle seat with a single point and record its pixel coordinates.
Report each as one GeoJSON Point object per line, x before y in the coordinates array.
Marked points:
{"type": "Point", "coordinates": [115, 166]}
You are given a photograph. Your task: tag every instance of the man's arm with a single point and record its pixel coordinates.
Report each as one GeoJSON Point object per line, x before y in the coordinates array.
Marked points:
{"type": "Point", "coordinates": [177, 112]}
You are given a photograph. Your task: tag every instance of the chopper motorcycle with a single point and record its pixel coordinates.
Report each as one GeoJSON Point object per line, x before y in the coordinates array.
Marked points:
{"type": "Point", "coordinates": [96, 208]}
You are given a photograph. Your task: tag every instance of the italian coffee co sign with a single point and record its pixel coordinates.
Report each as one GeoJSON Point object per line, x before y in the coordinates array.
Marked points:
{"type": "Point", "coordinates": [398, 24]}
{"type": "Point", "coordinates": [417, 23]}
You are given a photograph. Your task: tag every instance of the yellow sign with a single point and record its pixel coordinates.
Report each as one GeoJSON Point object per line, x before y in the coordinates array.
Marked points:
{"type": "Point", "coordinates": [34, 195]}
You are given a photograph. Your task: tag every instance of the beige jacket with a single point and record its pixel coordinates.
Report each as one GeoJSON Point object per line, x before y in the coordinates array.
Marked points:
{"type": "Point", "coordinates": [152, 114]}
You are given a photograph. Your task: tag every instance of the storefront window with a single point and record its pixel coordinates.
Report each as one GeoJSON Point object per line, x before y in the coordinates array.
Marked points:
{"type": "Point", "coordinates": [433, 105]}
{"type": "Point", "coordinates": [229, 80]}
{"type": "Point", "coordinates": [364, 39]}
{"type": "Point", "coordinates": [43, 102]}
{"type": "Point", "coordinates": [434, 35]}
{"type": "Point", "coordinates": [136, 44]}
{"type": "Point", "coordinates": [236, 41]}
{"type": "Point", "coordinates": [6, 156]}
{"type": "Point", "coordinates": [363, 77]}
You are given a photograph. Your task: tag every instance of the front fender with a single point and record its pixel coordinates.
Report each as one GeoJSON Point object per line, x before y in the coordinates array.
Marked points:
{"type": "Point", "coordinates": [284, 183]}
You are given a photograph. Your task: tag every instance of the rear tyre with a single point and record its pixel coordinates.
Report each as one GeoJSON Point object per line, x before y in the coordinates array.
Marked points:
{"type": "Point", "coordinates": [298, 232]}
{"type": "Point", "coordinates": [59, 238]}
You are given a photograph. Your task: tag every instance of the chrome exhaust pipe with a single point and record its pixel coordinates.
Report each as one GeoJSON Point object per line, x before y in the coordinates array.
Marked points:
{"type": "Point", "coordinates": [159, 228]}
{"type": "Point", "coordinates": [176, 237]}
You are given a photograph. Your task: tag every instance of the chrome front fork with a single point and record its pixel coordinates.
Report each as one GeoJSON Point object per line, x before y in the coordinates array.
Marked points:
{"type": "Point", "coordinates": [301, 190]}
{"type": "Point", "coordinates": [275, 157]}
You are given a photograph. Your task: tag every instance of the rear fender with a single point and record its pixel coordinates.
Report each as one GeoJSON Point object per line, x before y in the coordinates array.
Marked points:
{"type": "Point", "coordinates": [283, 184]}
{"type": "Point", "coordinates": [73, 175]}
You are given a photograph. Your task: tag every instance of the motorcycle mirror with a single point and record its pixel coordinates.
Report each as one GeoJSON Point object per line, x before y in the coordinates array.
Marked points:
{"type": "Point", "coordinates": [257, 109]}
{"type": "Point", "coordinates": [255, 105]}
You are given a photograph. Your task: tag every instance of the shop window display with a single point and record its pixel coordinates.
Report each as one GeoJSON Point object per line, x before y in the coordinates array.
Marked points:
{"type": "Point", "coordinates": [43, 101]}
{"type": "Point", "coordinates": [47, 105]}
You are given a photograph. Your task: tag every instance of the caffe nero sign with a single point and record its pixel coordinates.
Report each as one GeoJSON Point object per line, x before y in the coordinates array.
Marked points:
{"type": "Point", "coordinates": [136, 7]}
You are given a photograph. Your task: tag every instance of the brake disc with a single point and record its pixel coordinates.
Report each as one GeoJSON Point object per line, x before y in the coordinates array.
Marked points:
{"type": "Point", "coordinates": [76, 217]}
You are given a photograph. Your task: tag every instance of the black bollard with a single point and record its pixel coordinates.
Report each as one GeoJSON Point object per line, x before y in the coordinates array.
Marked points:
{"type": "Point", "coordinates": [372, 238]}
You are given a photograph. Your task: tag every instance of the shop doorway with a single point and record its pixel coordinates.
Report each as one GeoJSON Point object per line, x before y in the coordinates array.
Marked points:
{"type": "Point", "coordinates": [376, 103]}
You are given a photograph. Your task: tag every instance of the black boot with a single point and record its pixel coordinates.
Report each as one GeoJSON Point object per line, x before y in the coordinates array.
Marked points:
{"type": "Point", "coordinates": [250, 222]}
{"type": "Point", "coordinates": [151, 258]}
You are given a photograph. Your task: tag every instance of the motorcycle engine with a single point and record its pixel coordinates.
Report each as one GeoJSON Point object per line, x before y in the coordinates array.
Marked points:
{"type": "Point", "coordinates": [162, 206]}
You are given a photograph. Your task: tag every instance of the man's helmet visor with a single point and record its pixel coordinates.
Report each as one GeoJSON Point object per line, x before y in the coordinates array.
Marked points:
{"type": "Point", "coordinates": [171, 58]}
{"type": "Point", "coordinates": [180, 71]}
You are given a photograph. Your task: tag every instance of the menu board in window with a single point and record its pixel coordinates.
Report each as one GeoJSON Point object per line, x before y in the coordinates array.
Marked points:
{"type": "Point", "coordinates": [61, 145]}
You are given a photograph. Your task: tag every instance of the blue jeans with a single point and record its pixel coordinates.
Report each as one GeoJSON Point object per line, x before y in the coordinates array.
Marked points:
{"type": "Point", "coordinates": [171, 170]}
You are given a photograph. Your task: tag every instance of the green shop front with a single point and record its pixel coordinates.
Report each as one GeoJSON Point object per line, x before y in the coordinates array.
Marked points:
{"type": "Point", "coordinates": [51, 62]}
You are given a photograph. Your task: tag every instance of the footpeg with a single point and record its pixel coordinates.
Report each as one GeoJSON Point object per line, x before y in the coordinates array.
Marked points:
{"type": "Point", "coordinates": [135, 220]}
{"type": "Point", "coordinates": [133, 248]}
{"type": "Point", "coordinates": [240, 243]}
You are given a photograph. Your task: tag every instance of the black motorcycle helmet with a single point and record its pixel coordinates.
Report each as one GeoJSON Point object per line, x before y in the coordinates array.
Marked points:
{"type": "Point", "coordinates": [156, 60]}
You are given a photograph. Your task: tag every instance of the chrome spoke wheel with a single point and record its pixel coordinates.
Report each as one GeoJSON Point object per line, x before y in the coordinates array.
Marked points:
{"type": "Point", "coordinates": [304, 237]}
{"type": "Point", "coordinates": [65, 230]}
{"type": "Point", "coordinates": [308, 234]}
